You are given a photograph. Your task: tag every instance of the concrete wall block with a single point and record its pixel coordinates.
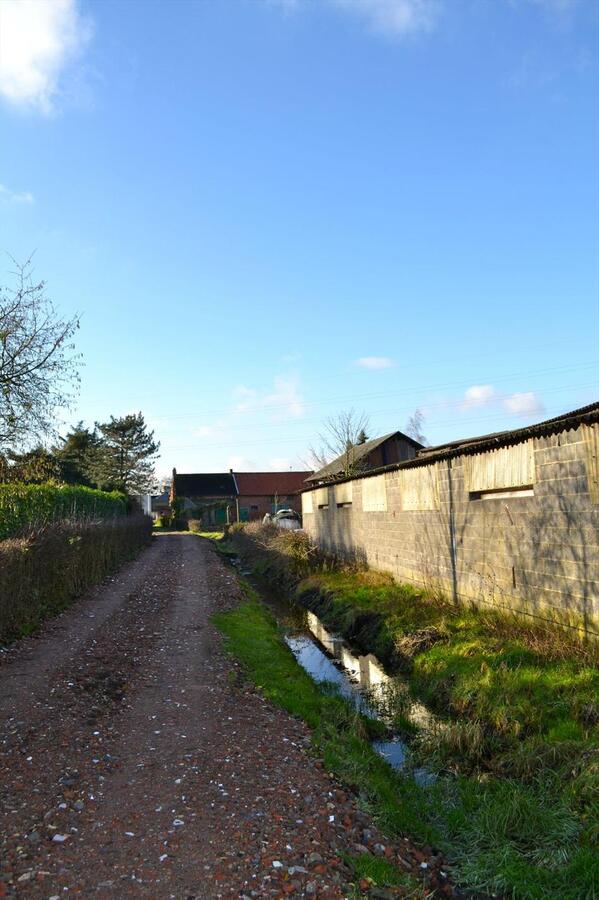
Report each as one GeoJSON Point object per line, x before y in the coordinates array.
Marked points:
{"type": "Point", "coordinates": [557, 454]}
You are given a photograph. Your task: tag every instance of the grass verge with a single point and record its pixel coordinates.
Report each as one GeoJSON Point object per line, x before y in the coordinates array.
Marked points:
{"type": "Point", "coordinates": [519, 813]}
{"type": "Point", "coordinates": [340, 735]}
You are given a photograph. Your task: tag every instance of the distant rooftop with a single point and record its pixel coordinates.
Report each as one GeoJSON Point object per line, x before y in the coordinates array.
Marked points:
{"type": "Point", "coordinates": [359, 451]}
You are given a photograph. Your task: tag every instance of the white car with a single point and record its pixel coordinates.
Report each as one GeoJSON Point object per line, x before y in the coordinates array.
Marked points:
{"type": "Point", "coordinates": [287, 518]}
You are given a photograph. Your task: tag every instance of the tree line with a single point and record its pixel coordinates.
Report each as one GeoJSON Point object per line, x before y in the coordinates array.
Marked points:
{"type": "Point", "coordinates": [117, 455]}
{"type": "Point", "coordinates": [39, 375]}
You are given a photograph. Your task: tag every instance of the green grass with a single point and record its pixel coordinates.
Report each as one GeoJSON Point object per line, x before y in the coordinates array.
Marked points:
{"type": "Point", "coordinates": [527, 826]}
{"type": "Point", "coordinates": [516, 680]}
{"type": "Point", "coordinates": [340, 735]}
{"type": "Point", "coordinates": [381, 872]}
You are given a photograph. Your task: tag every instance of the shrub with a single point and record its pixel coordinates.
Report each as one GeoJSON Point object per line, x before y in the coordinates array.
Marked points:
{"type": "Point", "coordinates": [195, 525]}
{"type": "Point", "coordinates": [42, 573]}
{"type": "Point", "coordinates": [236, 526]}
{"type": "Point", "coordinates": [25, 506]}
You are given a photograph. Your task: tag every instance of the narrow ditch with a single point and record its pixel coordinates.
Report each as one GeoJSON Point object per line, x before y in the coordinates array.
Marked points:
{"type": "Point", "coordinates": [361, 680]}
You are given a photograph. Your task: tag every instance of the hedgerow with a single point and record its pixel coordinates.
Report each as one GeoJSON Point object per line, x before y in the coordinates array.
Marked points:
{"type": "Point", "coordinates": [41, 573]}
{"type": "Point", "coordinates": [25, 506]}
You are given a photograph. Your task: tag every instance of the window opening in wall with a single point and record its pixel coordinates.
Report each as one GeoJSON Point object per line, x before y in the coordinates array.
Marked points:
{"type": "Point", "coordinates": [322, 498]}
{"type": "Point", "coordinates": [502, 493]}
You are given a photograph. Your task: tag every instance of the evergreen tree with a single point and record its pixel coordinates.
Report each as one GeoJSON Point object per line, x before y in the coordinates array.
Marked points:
{"type": "Point", "coordinates": [77, 455]}
{"type": "Point", "coordinates": [36, 466]}
{"type": "Point", "coordinates": [126, 454]}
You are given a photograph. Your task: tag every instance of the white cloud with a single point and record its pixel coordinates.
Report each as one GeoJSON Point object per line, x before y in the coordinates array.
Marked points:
{"type": "Point", "coordinates": [285, 399]}
{"type": "Point", "coordinates": [523, 404]}
{"type": "Point", "coordinates": [209, 430]}
{"type": "Point", "coordinates": [520, 404]}
{"type": "Point", "coordinates": [241, 464]}
{"type": "Point", "coordinates": [478, 395]}
{"type": "Point", "coordinates": [8, 196]}
{"type": "Point", "coordinates": [394, 18]}
{"type": "Point", "coordinates": [38, 39]}
{"type": "Point", "coordinates": [246, 398]}
{"type": "Point", "coordinates": [375, 362]}
{"type": "Point", "coordinates": [279, 464]}
{"type": "Point", "coordinates": [556, 6]}
{"type": "Point", "coordinates": [282, 402]}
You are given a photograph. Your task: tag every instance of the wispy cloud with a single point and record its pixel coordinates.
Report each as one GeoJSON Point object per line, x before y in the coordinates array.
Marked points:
{"type": "Point", "coordinates": [523, 403]}
{"type": "Point", "coordinates": [281, 403]}
{"type": "Point", "coordinates": [375, 362]}
{"type": "Point", "coordinates": [212, 430]}
{"type": "Point", "coordinates": [279, 464]}
{"type": "Point", "coordinates": [38, 40]}
{"type": "Point", "coordinates": [478, 395]}
{"type": "Point", "coordinates": [8, 196]}
{"type": "Point", "coordinates": [560, 7]}
{"type": "Point", "coordinates": [284, 399]}
{"type": "Point", "coordinates": [241, 463]}
{"type": "Point", "coordinates": [393, 18]}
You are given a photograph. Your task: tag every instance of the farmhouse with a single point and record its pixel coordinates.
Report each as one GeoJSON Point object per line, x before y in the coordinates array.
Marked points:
{"type": "Point", "coordinates": [207, 496]}
{"type": "Point", "coordinates": [221, 498]}
{"type": "Point", "coordinates": [267, 492]}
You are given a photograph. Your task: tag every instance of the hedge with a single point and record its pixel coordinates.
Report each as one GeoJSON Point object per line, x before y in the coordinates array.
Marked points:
{"type": "Point", "coordinates": [25, 506]}
{"type": "Point", "coordinates": [42, 573]}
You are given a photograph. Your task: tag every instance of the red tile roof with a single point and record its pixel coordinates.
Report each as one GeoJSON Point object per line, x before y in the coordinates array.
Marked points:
{"type": "Point", "coordinates": [262, 484]}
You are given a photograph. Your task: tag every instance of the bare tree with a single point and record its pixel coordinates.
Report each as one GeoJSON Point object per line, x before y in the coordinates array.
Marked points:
{"type": "Point", "coordinates": [414, 427]}
{"type": "Point", "coordinates": [38, 364]}
{"type": "Point", "coordinates": [341, 436]}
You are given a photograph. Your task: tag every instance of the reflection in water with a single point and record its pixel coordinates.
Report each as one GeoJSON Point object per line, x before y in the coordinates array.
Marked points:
{"type": "Point", "coordinates": [322, 669]}
{"type": "Point", "coordinates": [361, 680]}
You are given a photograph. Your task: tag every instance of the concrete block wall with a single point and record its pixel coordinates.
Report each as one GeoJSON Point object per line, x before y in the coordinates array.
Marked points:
{"type": "Point", "coordinates": [537, 554]}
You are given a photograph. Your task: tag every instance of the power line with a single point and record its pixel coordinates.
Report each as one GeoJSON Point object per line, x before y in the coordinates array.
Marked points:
{"type": "Point", "coordinates": [399, 392]}
{"type": "Point", "coordinates": [201, 443]}
{"type": "Point", "coordinates": [297, 423]}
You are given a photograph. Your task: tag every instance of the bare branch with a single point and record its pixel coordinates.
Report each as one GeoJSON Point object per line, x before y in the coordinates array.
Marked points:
{"type": "Point", "coordinates": [38, 365]}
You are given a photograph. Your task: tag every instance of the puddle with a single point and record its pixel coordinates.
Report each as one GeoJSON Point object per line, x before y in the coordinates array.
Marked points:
{"type": "Point", "coordinates": [362, 680]}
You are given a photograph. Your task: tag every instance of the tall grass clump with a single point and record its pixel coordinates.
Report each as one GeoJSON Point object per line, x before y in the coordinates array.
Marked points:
{"type": "Point", "coordinates": [44, 571]}
{"type": "Point", "coordinates": [26, 506]}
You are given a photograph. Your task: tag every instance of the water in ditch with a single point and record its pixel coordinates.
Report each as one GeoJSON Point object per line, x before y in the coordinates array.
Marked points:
{"type": "Point", "coordinates": [360, 679]}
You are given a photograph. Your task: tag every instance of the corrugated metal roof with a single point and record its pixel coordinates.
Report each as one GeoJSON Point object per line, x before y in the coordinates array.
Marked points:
{"type": "Point", "coordinates": [565, 422]}
{"type": "Point", "coordinates": [504, 438]}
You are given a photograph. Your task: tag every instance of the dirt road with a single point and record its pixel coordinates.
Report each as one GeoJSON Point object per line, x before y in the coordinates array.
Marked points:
{"type": "Point", "coordinates": [136, 761]}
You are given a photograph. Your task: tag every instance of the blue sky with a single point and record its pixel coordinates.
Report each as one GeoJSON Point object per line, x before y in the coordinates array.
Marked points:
{"type": "Point", "coordinates": [270, 210]}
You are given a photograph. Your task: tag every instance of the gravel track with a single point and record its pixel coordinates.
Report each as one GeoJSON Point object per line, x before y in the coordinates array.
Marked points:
{"type": "Point", "coordinates": [136, 761]}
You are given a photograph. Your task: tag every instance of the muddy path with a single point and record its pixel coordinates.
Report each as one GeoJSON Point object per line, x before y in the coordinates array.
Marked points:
{"type": "Point", "coordinates": [136, 761]}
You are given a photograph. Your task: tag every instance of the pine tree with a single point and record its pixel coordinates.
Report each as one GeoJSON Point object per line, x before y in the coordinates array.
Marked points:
{"type": "Point", "coordinates": [126, 455]}
{"type": "Point", "coordinates": [77, 455]}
